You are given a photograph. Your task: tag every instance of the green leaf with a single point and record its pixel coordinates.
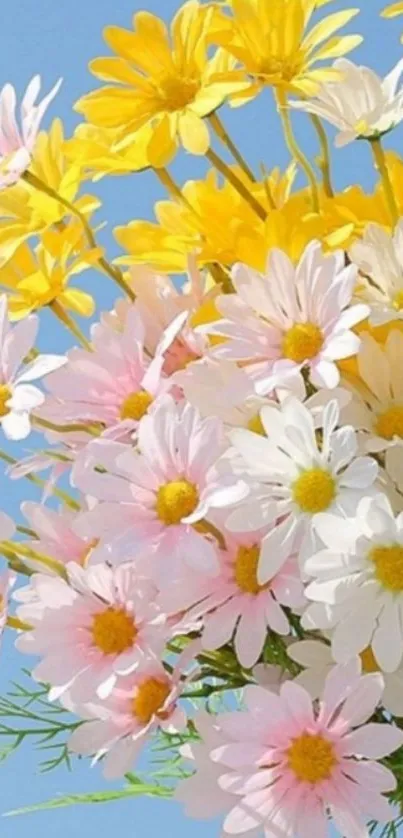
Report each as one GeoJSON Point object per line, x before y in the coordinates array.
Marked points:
{"type": "Point", "coordinates": [96, 797]}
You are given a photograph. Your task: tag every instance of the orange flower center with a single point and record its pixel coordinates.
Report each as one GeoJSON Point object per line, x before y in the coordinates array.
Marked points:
{"type": "Point", "coordinates": [390, 423]}
{"type": "Point", "coordinates": [311, 758]}
{"type": "Point", "coordinates": [5, 395]}
{"type": "Point", "coordinates": [302, 342]}
{"type": "Point", "coordinates": [255, 424]}
{"type": "Point", "coordinates": [368, 661]}
{"type": "Point", "coordinates": [176, 92]}
{"type": "Point", "coordinates": [245, 570]}
{"type": "Point", "coordinates": [150, 696]}
{"type": "Point", "coordinates": [176, 500]}
{"type": "Point", "coordinates": [314, 490]}
{"type": "Point", "coordinates": [388, 563]}
{"type": "Point", "coordinates": [135, 405]}
{"type": "Point", "coordinates": [113, 631]}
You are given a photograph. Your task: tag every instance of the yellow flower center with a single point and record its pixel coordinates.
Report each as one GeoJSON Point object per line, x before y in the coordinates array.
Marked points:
{"type": "Point", "coordinates": [388, 563]}
{"type": "Point", "coordinates": [245, 570]}
{"type": "Point", "coordinates": [176, 92]}
{"type": "Point", "coordinates": [150, 697]}
{"type": "Point", "coordinates": [176, 500]}
{"type": "Point", "coordinates": [255, 424]}
{"type": "Point", "coordinates": [390, 423]}
{"type": "Point", "coordinates": [113, 631]}
{"type": "Point", "coordinates": [5, 395]}
{"type": "Point", "coordinates": [368, 661]}
{"type": "Point", "coordinates": [398, 301]}
{"type": "Point", "coordinates": [302, 342]}
{"type": "Point", "coordinates": [361, 127]}
{"type": "Point", "coordinates": [314, 490]}
{"type": "Point", "coordinates": [135, 405]}
{"type": "Point", "coordinates": [312, 758]}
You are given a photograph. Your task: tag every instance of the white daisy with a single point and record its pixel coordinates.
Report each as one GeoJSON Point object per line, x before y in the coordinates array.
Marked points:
{"type": "Point", "coordinates": [290, 318]}
{"type": "Point", "coordinates": [377, 406]}
{"type": "Point", "coordinates": [297, 477]}
{"type": "Point", "coordinates": [379, 258]}
{"type": "Point", "coordinates": [317, 659]}
{"type": "Point", "coordinates": [358, 586]}
{"type": "Point", "coordinates": [360, 103]}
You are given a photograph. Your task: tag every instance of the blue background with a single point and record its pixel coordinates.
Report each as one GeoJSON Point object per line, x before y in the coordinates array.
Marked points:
{"type": "Point", "coordinates": [58, 39]}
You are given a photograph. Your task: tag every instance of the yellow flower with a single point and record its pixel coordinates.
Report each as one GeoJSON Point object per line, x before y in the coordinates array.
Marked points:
{"type": "Point", "coordinates": [270, 40]}
{"type": "Point", "coordinates": [25, 211]}
{"type": "Point", "coordinates": [214, 222]}
{"type": "Point", "coordinates": [165, 80]}
{"type": "Point", "coordinates": [93, 150]}
{"type": "Point", "coordinates": [37, 278]}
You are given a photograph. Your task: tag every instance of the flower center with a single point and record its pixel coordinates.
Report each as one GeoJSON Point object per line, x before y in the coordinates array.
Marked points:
{"type": "Point", "coordinates": [390, 423]}
{"type": "Point", "coordinates": [151, 695]}
{"type": "Point", "coordinates": [5, 395]}
{"type": "Point", "coordinates": [388, 563]}
{"type": "Point", "coordinates": [178, 92]}
{"type": "Point", "coordinates": [368, 661]}
{"type": "Point", "coordinates": [176, 500]}
{"type": "Point", "coordinates": [398, 301]}
{"type": "Point", "coordinates": [113, 631]}
{"type": "Point", "coordinates": [312, 758]}
{"type": "Point", "coordinates": [135, 405]}
{"type": "Point", "coordinates": [361, 127]}
{"type": "Point", "coordinates": [255, 424]}
{"type": "Point", "coordinates": [314, 490]}
{"type": "Point", "coordinates": [302, 342]}
{"type": "Point", "coordinates": [245, 570]}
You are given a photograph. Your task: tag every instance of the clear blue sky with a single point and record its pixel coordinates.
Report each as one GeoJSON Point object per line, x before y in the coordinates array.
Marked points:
{"type": "Point", "coordinates": [58, 39]}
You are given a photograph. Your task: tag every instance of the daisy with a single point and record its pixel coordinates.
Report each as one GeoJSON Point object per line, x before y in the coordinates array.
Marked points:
{"type": "Point", "coordinates": [18, 397]}
{"type": "Point", "coordinates": [358, 583]}
{"type": "Point", "coordinates": [234, 603]}
{"type": "Point", "coordinates": [317, 659]}
{"type": "Point", "coordinates": [297, 477]}
{"type": "Point", "coordinates": [358, 103]}
{"type": "Point", "coordinates": [291, 317]}
{"type": "Point", "coordinates": [150, 499]}
{"type": "Point", "coordinates": [376, 409]}
{"type": "Point", "coordinates": [138, 706]}
{"type": "Point", "coordinates": [286, 762]}
{"type": "Point", "coordinates": [379, 258]}
{"type": "Point", "coordinates": [17, 144]}
{"type": "Point", "coordinates": [97, 624]}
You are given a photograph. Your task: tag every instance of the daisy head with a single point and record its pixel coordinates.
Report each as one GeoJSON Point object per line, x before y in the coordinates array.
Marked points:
{"type": "Point", "coordinates": [155, 500]}
{"type": "Point", "coordinates": [18, 396]}
{"type": "Point", "coordinates": [297, 473]}
{"type": "Point", "coordinates": [357, 591]}
{"type": "Point", "coordinates": [379, 259]}
{"type": "Point", "coordinates": [17, 142]}
{"type": "Point", "coordinates": [286, 762]}
{"type": "Point", "coordinates": [119, 728]}
{"type": "Point", "coordinates": [291, 318]}
{"type": "Point", "coordinates": [92, 627]}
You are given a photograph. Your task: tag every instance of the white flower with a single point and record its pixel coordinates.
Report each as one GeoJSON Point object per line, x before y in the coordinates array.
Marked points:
{"type": "Point", "coordinates": [296, 478]}
{"type": "Point", "coordinates": [18, 397]}
{"type": "Point", "coordinates": [360, 104]}
{"type": "Point", "coordinates": [377, 407]}
{"type": "Point", "coordinates": [379, 258]}
{"type": "Point", "coordinates": [318, 661]}
{"type": "Point", "coordinates": [290, 318]}
{"type": "Point", "coordinates": [358, 586]}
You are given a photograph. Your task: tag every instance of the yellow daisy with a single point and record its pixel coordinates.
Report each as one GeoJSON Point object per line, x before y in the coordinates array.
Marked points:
{"type": "Point", "coordinates": [25, 211]}
{"type": "Point", "coordinates": [163, 79]}
{"type": "Point", "coordinates": [40, 277]}
{"type": "Point", "coordinates": [93, 150]}
{"type": "Point", "coordinates": [271, 42]}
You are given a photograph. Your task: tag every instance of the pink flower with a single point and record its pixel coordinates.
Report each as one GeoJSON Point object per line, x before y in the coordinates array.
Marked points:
{"type": "Point", "coordinates": [234, 603]}
{"type": "Point", "coordinates": [119, 728]}
{"type": "Point", "coordinates": [16, 144]}
{"type": "Point", "coordinates": [291, 318]}
{"type": "Point", "coordinates": [55, 537]}
{"type": "Point", "coordinates": [286, 762]}
{"type": "Point", "coordinates": [18, 396]}
{"type": "Point", "coordinates": [150, 499]}
{"type": "Point", "coordinates": [98, 624]}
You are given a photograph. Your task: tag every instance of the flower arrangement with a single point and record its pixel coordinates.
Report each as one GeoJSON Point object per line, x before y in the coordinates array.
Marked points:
{"type": "Point", "coordinates": [213, 567]}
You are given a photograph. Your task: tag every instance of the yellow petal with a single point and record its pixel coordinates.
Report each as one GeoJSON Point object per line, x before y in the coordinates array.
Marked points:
{"type": "Point", "coordinates": [393, 11]}
{"type": "Point", "coordinates": [327, 27]}
{"type": "Point", "coordinates": [162, 146]}
{"type": "Point", "coordinates": [193, 133]}
{"type": "Point", "coordinates": [338, 46]}
{"type": "Point", "coordinates": [77, 301]}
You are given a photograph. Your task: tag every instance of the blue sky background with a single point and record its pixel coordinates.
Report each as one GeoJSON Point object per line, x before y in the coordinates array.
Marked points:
{"type": "Point", "coordinates": [58, 39]}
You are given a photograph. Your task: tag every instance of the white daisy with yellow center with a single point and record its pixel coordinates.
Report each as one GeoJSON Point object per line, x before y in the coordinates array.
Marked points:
{"type": "Point", "coordinates": [379, 258]}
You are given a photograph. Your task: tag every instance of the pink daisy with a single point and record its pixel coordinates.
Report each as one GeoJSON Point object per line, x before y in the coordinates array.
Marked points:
{"type": "Point", "coordinates": [98, 624]}
{"type": "Point", "coordinates": [234, 603]}
{"type": "Point", "coordinates": [287, 762]}
{"type": "Point", "coordinates": [16, 144]}
{"type": "Point", "coordinates": [55, 537]}
{"type": "Point", "coordinates": [291, 317]}
{"type": "Point", "coordinates": [151, 498]}
{"type": "Point", "coordinates": [119, 728]}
